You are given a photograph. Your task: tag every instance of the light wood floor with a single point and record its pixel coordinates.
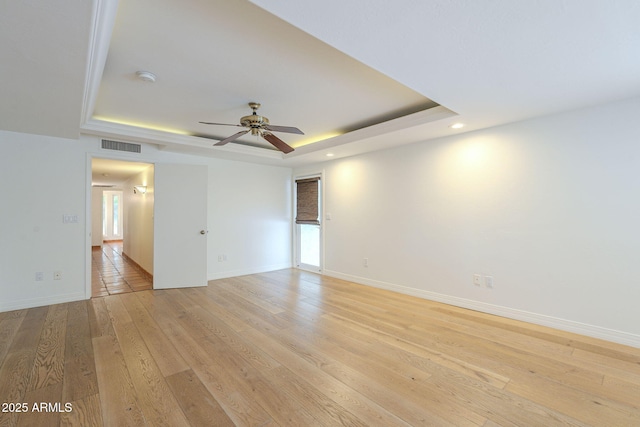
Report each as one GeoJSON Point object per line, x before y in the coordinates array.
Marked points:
{"type": "Point", "coordinates": [112, 273]}
{"type": "Point", "coordinates": [293, 348]}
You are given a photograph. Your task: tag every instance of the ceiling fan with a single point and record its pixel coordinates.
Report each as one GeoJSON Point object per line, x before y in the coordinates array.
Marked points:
{"type": "Point", "coordinates": [259, 125]}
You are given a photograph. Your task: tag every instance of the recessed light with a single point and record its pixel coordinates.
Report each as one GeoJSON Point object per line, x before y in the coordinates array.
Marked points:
{"type": "Point", "coordinates": [330, 154]}
{"type": "Point", "coordinates": [146, 76]}
{"type": "Point", "coordinates": [457, 126]}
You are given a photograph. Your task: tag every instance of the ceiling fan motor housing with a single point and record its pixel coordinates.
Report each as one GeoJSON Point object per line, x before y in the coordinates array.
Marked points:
{"type": "Point", "coordinates": [259, 125]}
{"type": "Point", "coordinates": [254, 121]}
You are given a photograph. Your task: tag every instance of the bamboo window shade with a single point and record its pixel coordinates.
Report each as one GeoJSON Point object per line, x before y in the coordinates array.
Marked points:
{"type": "Point", "coordinates": [307, 201]}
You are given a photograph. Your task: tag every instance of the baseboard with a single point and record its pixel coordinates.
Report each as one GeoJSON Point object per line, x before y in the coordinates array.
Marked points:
{"type": "Point", "coordinates": [42, 301]}
{"type": "Point", "coordinates": [138, 267]}
{"type": "Point", "coordinates": [244, 272]}
{"type": "Point", "coordinates": [619, 337]}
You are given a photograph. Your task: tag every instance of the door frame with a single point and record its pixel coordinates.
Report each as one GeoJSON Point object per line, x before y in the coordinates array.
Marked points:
{"type": "Point", "coordinates": [321, 215]}
{"type": "Point", "coordinates": [116, 155]}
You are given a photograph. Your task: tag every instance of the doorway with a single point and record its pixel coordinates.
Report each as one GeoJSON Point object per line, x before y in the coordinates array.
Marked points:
{"type": "Point", "coordinates": [308, 227]}
{"type": "Point", "coordinates": [122, 206]}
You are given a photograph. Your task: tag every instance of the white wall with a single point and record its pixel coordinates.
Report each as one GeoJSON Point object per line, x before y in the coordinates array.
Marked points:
{"type": "Point", "coordinates": [138, 219]}
{"type": "Point", "coordinates": [44, 178]}
{"type": "Point", "coordinates": [549, 207]}
{"type": "Point", "coordinates": [249, 218]}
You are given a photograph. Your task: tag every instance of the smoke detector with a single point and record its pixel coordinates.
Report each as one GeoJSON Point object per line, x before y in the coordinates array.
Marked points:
{"type": "Point", "coordinates": [146, 76]}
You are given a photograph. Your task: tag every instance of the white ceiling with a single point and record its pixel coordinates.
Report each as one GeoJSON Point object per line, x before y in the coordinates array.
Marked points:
{"type": "Point", "coordinates": [108, 172]}
{"type": "Point", "coordinates": [336, 67]}
{"type": "Point", "coordinates": [43, 61]}
{"type": "Point", "coordinates": [213, 57]}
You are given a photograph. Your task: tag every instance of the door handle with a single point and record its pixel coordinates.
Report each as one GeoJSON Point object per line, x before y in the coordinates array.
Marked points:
{"type": "Point", "coordinates": [203, 232]}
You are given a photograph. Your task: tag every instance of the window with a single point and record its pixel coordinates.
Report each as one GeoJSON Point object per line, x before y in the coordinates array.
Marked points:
{"type": "Point", "coordinates": [308, 227]}
{"type": "Point", "coordinates": [112, 215]}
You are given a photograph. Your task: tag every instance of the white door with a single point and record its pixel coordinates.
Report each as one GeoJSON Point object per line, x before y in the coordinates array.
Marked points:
{"type": "Point", "coordinates": [308, 246]}
{"type": "Point", "coordinates": [180, 226]}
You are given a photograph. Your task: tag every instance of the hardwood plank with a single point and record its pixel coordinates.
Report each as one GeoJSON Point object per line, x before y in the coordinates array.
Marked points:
{"type": "Point", "coordinates": [292, 347]}
{"type": "Point", "coordinates": [45, 404]}
{"type": "Point", "coordinates": [283, 405]}
{"type": "Point", "coordinates": [499, 405]}
{"type": "Point", "coordinates": [504, 360]}
{"type": "Point", "coordinates": [86, 412]}
{"type": "Point", "coordinates": [99, 320]}
{"type": "Point", "coordinates": [8, 330]}
{"type": "Point", "coordinates": [215, 329]}
{"type": "Point", "coordinates": [362, 407]}
{"type": "Point", "coordinates": [80, 378]}
{"type": "Point", "coordinates": [28, 335]}
{"type": "Point", "coordinates": [118, 397]}
{"type": "Point", "coordinates": [200, 407]}
{"type": "Point", "coordinates": [222, 384]}
{"type": "Point", "coordinates": [14, 378]}
{"type": "Point", "coordinates": [167, 358]}
{"type": "Point", "coordinates": [256, 385]}
{"type": "Point", "coordinates": [48, 367]}
{"type": "Point", "coordinates": [623, 366]}
{"type": "Point", "coordinates": [14, 314]}
{"type": "Point", "coordinates": [406, 409]}
{"type": "Point", "coordinates": [324, 410]}
{"type": "Point", "coordinates": [155, 399]}
{"type": "Point", "coordinates": [239, 288]}
{"type": "Point", "coordinates": [378, 392]}
{"type": "Point", "coordinates": [254, 315]}
{"type": "Point", "coordinates": [15, 371]}
{"type": "Point", "coordinates": [405, 380]}
{"type": "Point", "coordinates": [529, 413]}
{"type": "Point", "coordinates": [578, 404]}
{"type": "Point", "coordinates": [592, 345]}
{"type": "Point", "coordinates": [423, 356]}
{"type": "Point", "coordinates": [623, 391]}
{"type": "Point", "coordinates": [207, 301]}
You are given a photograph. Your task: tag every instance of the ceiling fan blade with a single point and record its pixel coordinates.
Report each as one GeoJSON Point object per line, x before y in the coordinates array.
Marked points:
{"type": "Point", "coordinates": [232, 137]}
{"type": "Point", "coordinates": [219, 124]}
{"type": "Point", "coordinates": [286, 129]}
{"type": "Point", "coordinates": [277, 142]}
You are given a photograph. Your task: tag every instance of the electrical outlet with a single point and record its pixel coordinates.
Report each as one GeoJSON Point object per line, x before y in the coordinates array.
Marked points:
{"type": "Point", "coordinates": [365, 262]}
{"type": "Point", "coordinates": [477, 279]}
{"type": "Point", "coordinates": [488, 281]}
{"type": "Point", "coordinates": [57, 275]}
{"type": "Point", "coordinates": [39, 276]}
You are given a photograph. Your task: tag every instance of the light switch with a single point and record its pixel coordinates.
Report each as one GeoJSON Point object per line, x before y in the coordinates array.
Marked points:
{"type": "Point", "coordinates": [69, 219]}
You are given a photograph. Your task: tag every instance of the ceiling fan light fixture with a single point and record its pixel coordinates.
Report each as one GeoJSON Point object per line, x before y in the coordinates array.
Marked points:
{"type": "Point", "coordinates": [146, 76]}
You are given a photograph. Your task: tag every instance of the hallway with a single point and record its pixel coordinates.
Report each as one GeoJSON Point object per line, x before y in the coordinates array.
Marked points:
{"type": "Point", "coordinates": [111, 273]}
